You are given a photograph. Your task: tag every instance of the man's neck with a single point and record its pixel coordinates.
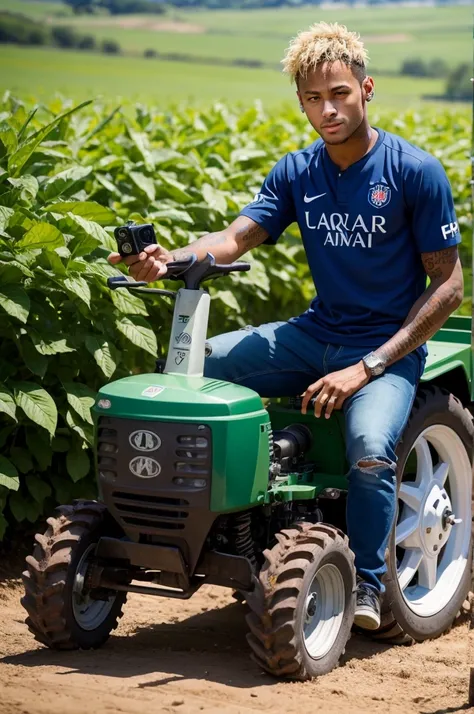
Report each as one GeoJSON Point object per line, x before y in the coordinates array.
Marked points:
{"type": "Point", "coordinates": [359, 144]}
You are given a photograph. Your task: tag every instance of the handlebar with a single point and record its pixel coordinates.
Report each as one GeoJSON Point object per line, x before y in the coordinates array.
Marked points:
{"type": "Point", "coordinates": [191, 271]}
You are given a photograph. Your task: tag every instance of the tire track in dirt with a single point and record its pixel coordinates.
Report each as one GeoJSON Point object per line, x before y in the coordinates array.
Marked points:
{"type": "Point", "coordinates": [191, 656]}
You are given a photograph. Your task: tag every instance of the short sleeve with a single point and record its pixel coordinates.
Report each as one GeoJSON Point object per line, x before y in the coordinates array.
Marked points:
{"type": "Point", "coordinates": [434, 222]}
{"type": "Point", "coordinates": [273, 208]}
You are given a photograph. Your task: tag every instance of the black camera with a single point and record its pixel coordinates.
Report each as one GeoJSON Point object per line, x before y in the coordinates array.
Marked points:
{"type": "Point", "coordinates": [132, 239]}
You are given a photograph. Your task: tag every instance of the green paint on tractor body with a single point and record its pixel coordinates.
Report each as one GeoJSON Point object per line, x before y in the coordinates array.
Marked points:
{"type": "Point", "coordinates": [239, 424]}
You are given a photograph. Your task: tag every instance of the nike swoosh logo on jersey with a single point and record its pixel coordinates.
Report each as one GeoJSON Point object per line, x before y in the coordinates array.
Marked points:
{"type": "Point", "coordinates": [308, 199]}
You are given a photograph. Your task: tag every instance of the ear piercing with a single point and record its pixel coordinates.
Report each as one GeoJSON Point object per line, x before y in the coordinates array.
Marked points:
{"type": "Point", "coordinates": [370, 97]}
{"type": "Point", "coordinates": [301, 108]}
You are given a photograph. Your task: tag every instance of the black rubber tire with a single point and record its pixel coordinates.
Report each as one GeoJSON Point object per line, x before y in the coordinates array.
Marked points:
{"type": "Point", "coordinates": [50, 576]}
{"type": "Point", "coordinates": [276, 636]}
{"type": "Point", "coordinates": [400, 625]}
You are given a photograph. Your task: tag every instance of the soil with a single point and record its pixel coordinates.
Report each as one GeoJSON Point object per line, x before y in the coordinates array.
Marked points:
{"type": "Point", "coordinates": [191, 656]}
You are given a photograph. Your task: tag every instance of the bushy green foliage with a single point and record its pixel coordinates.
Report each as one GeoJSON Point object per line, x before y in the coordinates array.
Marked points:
{"type": "Point", "coordinates": [22, 30]}
{"type": "Point", "coordinates": [67, 176]}
{"type": "Point", "coordinates": [459, 84]}
{"type": "Point", "coordinates": [418, 67]}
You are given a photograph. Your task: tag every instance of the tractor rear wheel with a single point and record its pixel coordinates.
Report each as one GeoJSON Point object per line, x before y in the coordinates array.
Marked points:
{"type": "Point", "coordinates": [430, 553]}
{"type": "Point", "coordinates": [300, 627]}
{"type": "Point", "coordinates": [62, 612]}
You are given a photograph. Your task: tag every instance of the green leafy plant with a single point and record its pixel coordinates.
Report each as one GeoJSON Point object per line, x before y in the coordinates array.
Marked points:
{"type": "Point", "coordinates": [68, 175]}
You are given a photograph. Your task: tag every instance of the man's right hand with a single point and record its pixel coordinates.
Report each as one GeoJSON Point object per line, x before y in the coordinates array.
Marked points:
{"type": "Point", "coordinates": [149, 265]}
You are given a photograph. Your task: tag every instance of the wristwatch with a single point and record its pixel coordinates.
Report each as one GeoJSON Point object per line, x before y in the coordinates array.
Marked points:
{"type": "Point", "coordinates": [374, 364]}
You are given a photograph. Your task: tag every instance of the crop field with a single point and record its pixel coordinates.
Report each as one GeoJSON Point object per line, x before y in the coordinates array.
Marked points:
{"type": "Point", "coordinates": [45, 72]}
{"type": "Point", "coordinates": [391, 35]}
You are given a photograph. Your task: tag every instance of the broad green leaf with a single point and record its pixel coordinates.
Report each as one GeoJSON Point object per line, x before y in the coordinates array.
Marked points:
{"type": "Point", "coordinates": [27, 185]}
{"type": "Point", "coordinates": [40, 447]}
{"type": "Point", "coordinates": [142, 143]}
{"type": "Point", "coordinates": [5, 215]}
{"type": "Point", "coordinates": [8, 475]}
{"type": "Point", "coordinates": [50, 346]}
{"type": "Point", "coordinates": [89, 210]}
{"type": "Point", "coordinates": [229, 299]}
{"type": "Point", "coordinates": [175, 190]}
{"type": "Point", "coordinates": [36, 362]}
{"type": "Point", "coordinates": [17, 505]}
{"type": "Point", "coordinates": [173, 215]}
{"type": "Point", "coordinates": [103, 353]}
{"type": "Point", "coordinates": [127, 303]}
{"type": "Point", "coordinates": [93, 230]}
{"type": "Point", "coordinates": [77, 425]}
{"type": "Point", "coordinates": [77, 462]}
{"type": "Point", "coordinates": [60, 444]}
{"type": "Point", "coordinates": [37, 404]}
{"type": "Point", "coordinates": [81, 398]}
{"type": "Point", "coordinates": [21, 458]}
{"type": "Point", "coordinates": [38, 488]}
{"type": "Point", "coordinates": [7, 403]}
{"type": "Point", "coordinates": [79, 286]}
{"type": "Point", "coordinates": [15, 301]}
{"type": "Point", "coordinates": [42, 235]}
{"type": "Point", "coordinates": [8, 138]}
{"type": "Point", "coordinates": [144, 183]}
{"type": "Point", "coordinates": [215, 199]}
{"type": "Point", "coordinates": [64, 181]}
{"type": "Point", "coordinates": [19, 158]}
{"type": "Point", "coordinates": [139, 332]}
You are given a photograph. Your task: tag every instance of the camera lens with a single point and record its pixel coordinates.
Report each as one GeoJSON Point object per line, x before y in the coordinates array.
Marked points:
{"type": "Point", "coordinates": [127, 248]}
{"type": "Point", "coordinates": [122, 233]}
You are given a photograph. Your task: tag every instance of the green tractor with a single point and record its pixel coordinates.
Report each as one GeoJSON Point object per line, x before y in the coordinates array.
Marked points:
{"type": "Point", "coordinates": [200, 482]}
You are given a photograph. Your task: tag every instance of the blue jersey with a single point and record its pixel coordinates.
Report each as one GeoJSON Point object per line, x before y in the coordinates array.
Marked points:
{"type": "Point", "coordinates": [363, 230]}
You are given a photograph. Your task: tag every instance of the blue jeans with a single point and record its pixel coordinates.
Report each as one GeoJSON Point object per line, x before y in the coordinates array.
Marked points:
{"type": "Point", "coordinates": [280, 359]}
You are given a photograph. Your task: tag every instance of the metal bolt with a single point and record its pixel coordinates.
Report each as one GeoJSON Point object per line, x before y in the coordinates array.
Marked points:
{"type": "Point", "coordinates": [311, 609]}
{"type": "Point", "coordinates": [428, 530]}
{"type": "Point", "coordinates": [435, 547]}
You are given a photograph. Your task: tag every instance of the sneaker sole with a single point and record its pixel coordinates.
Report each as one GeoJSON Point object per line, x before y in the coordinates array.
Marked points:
{"type": "Point", "coordinates": [366, 621]}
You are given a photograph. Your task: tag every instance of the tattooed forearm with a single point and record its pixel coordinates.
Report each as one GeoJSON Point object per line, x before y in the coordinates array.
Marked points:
{"type": "Point", "coordinates": [201, 246]}
{"type": "Point", "coordinates": [250, 235]}
{"type": "Point", "coordinates": [227, 245]}
{"type": "Point", "coordinates": [432, 309]}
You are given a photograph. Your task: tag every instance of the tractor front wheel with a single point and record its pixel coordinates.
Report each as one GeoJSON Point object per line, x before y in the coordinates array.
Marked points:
{"type": "Point", "coordinates": [63, 613]}
{"type": "Point", "coordinates": [300, 627]}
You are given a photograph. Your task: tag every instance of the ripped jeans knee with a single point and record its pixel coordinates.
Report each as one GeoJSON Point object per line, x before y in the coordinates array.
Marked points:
{"type": "Point", "coordinates": [372, 470]}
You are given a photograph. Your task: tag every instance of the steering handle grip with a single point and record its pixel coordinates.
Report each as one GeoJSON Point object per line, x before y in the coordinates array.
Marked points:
{"type": "Point", "coordinates": [121, 281]}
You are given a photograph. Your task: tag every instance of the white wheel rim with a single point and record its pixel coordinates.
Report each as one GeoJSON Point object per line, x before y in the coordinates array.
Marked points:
{"type": "Point", "coordinates": [323, 611]}
{"type": "Point", "coordinates": [88, 613]}
{"type": "Point", "coordinates": [433, 553]}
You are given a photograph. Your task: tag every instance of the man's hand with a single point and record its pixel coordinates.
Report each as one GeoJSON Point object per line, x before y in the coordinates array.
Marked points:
{"type": "Point", "coordinates": [149, 265]}
{"type": "Point", "coordinates": [335, 388]}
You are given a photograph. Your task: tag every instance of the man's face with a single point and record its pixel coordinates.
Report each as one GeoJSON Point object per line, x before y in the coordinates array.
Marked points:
{"type": "Point", "coordinates": [334, 101]}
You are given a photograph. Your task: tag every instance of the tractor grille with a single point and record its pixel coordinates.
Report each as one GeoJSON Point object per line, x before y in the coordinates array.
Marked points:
{"type": "Point", "coordinates": [151, 511]}
{"type": "Point", "coordinates": [155, 476]}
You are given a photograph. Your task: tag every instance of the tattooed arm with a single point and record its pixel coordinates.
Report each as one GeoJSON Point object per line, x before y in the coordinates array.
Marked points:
{"type": "Point", "coordinates": [228, 245]}
{"type": "Point", "coordinates": [427, 315]}
{"type": "Point", "coordinates": [443, 295]}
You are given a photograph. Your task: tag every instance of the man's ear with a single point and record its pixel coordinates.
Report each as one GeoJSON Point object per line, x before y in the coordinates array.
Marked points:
{"type": "Point", "coordinates": [368, 89]}
{"type": "Point", "coordinates": [298, 94]}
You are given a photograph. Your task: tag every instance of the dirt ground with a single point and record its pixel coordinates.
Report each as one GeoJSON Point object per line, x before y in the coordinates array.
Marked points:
{"type": "Point", "coordinates": [189, 657]}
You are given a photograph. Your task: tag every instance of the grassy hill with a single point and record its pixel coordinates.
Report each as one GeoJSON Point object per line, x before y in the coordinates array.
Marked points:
{"type": "Point", "coordinates": [391, 35]}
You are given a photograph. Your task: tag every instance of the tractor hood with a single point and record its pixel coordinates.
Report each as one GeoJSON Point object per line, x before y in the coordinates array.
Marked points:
{"type": "Point", "coordinates": [154, 396]}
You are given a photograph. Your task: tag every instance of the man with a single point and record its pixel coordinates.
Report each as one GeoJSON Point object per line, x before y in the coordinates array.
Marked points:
{"type": "Point", "coordinates": [376, 218]}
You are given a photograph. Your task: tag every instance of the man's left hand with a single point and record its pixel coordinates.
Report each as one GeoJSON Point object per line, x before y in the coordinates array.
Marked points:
{"type": "Point", "coordinates": [335, 388]}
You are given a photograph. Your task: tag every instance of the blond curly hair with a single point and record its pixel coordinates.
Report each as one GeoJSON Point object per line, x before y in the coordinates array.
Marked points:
{"type": "Point", "coordinates": [324, 42]}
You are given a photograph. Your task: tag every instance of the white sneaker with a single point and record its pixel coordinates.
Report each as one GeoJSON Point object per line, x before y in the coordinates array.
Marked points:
{"type": "Point", "coordinates": [367, 611]}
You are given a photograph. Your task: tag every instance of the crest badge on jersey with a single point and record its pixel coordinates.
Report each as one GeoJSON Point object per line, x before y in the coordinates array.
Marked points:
{"type": "Point", "coordinates": [379, 195]}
